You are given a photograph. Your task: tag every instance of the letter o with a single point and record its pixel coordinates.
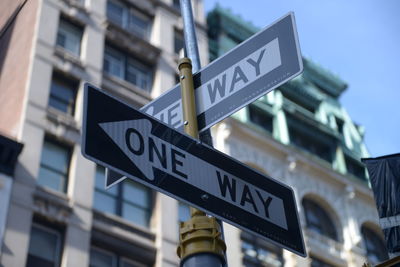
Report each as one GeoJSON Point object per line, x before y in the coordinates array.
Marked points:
{"type": "Point", "coordinates": [128, 133]}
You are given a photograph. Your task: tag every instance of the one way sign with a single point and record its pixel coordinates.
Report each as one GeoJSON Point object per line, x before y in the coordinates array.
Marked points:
{"type": "Point", "coordinates": [150, 152]}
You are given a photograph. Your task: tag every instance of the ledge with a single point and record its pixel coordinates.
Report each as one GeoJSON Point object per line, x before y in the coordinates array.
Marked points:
{"type": "Point", "coordinates": [325, 248]}
{"type": "Point", "coordinates": [67, 56]}
{"type": "Point", "coordinates": [60, 118]}
{"type": "Point", "coordinates": [113, 232]}
{"type": "Point", "coordinates": [52, 204]}
{"type": "Point", "coordinates": [128, 41]}
{"type": "Point", "coordinates": [125, 90]}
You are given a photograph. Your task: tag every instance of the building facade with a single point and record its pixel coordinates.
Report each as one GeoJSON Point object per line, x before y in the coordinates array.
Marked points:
{"type": "Point", "coordinates": [57, 212]}
{"type": "Point", "coordinates": [302, 136]}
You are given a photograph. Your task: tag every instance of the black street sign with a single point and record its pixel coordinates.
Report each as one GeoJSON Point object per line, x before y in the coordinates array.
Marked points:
{"type": "Point", "coordinates": [148, 151]}
{"type": "Point", "coordinates": [255, 67]}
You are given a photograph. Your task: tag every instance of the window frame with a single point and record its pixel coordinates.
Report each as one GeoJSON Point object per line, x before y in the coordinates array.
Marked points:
{"type": "Point", "coordinates": [104, 251]}
{"type": "Point", "coordinates": [355, 167]}
{"type": "Point", "coordinates": [70, 29]}
{"type": "Point", "coordinates": [127, 19]}
{"type": "Point", "coordinates": [326, 225]}
{"type": "Point", "coordinates": [128, 61]}
{"type": "Point", "coordinates": [59, 245]}
{"type": "Point", "coordinates": [178, 37]}
{"type": "Point", "coordinates": [69, 152]}
{"type": "Point", "coordinates": [59, 79]}
{"type": "Point", "coordinates": [383, 250]}
{"type": "Point", "coordinates": [120, 200]}
{"type": "Point", "coordinates": [299, 130]}
{"type": "Point", "coordinates": [118, 260]}
{"type": "Point", "coordinates": [258, 245]}
{"type": "Point", "coordinates": [254, 109]}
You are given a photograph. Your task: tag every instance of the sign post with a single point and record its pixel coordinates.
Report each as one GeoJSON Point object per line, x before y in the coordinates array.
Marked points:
{"type": "Point", "coordinates": [200, 242]}
{"type": "Point", "coordinates": [150, 152]}
{"type": "Point", "coordinates": [214, 241]}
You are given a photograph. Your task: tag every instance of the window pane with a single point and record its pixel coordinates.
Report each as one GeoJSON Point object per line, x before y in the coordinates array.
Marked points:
{"type": "Point", "coordinates": [135, 214]}
{"type": "Point", "coordinates": [54, 166]}
{"type": "Point", "coordinates": [51, 179]}
{"type": "Point", "coordinates": [62, 95]}
{"type": "Point", "coordinates": [55, 157]}
{"type": "Point", "coordinates": [136, 193]}
{"type": "Point", "coordinates": [116, 12]}
{"type": "Point", "coordinates": [139, 25]}
{"type": "Point", "coordinates": [375, 246]}
{"type": "Point", "coordinates": [257, 252]}
{"type": "Point", "coordinates": [114, 63]}
{"type": "Point", "coordinates": [261, 118]}
{"type": "Point", "coordinates": [318, 220]}
{"type": "Point", "coordinates": [44, 247]}
{"type": "Point", "coordinates": [69, 37]}
{"type": "Point", "coordinates": [183, 212]}
{"type": "Point", "coordinates": [177, 4]}
{"type": "Point", "coordinates": [138, 74]}
{"type": "Point", "coordinates": [178, 42]}
{"type": "Point", "coordinates": [100, 258]}
{"type": "Point", "coordinates": [105, 202]}
{"type": "Point", "coordinates": [43, 244]}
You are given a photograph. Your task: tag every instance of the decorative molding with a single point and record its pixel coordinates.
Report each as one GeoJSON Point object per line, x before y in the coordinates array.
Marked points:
{"type": "Point", "coordinates": [52, 205]}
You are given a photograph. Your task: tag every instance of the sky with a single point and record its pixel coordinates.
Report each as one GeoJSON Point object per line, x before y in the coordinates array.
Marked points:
{"type": "Point", "coordinates": [358, 40]}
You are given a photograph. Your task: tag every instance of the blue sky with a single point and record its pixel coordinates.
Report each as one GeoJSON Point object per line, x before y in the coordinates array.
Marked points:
{"type": "Point", "coordinates": [359, 40]}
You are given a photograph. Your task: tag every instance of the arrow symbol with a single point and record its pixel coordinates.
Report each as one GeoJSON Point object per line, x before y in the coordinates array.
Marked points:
{"type": "Point", "coordinates": [142, 147]}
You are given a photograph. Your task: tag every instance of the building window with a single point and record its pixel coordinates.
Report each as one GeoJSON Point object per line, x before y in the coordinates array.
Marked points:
{"type": "Point", "coordinates": [318, 220]}
{"type": "Point", "coordinates": [183, 212]}
{"type": "Point", "coordinates": [257, 252]}
{"type": "Point", "coordinates": [45, 247]}
{"type": "Point", "coordinates": [63, 94]}
{"type": "Point", "coordinates": [376, 251]}
{"type": "Point", "coordinates": [127, 68]}
{"type": "Point", "coordinates": [103, 258]}
{"type": "Point", "coordinates": [69, 37]}
{"type": "Point", "coordinates": [54, 165]}
{"type": "Point", "coordinates": [129, 19]}
{"type": "Point", "coordinates": [319, 263]}
{"type": "Point", "coordinates": [179, 42]}
{"type": "Point", "coordinates": [340, 125]}
{"type": "Point", "coordinates": [127, 199]}
{"type": "Point", "coordinates": [260, 118]}
{"type": "Point", "coordinates": [292, 99]}
{"type": "Point", "coordinates": [355, 168]}
{"type": "Point", "coordinates": [176, 4]}
{"type": "Point", "coordinates": [310, 139]}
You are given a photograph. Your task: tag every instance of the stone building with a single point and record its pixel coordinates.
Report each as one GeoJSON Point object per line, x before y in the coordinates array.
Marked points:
{"type": "Point", "coordinates": [302, 136]}
{"type": "Point", "coordinates": [56, 211]}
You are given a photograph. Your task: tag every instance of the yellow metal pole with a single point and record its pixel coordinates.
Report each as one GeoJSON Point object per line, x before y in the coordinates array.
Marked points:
{"type": "Point", "coordinates": [201, 233]}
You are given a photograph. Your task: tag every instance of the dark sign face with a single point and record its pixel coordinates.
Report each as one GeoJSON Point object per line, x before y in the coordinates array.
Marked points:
{"type": "Point", "coordinates": [249, 71]}
{"type": "Point", "coordinates": [150, 152]}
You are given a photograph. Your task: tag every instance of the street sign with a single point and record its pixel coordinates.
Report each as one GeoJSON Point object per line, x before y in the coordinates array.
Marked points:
{"type": "Point", "coordinates": [148, 151]}
{"type": "Point", "coordinates": [257, 66]}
